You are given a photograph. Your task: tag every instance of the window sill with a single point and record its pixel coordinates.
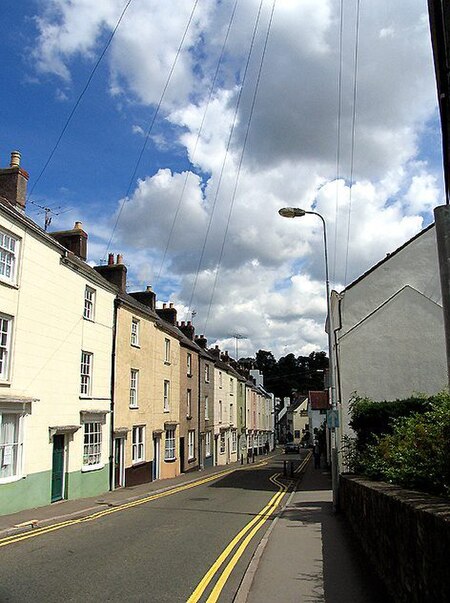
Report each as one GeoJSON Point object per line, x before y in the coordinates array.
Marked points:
{"type": "Point", "coordinates": [133, 407]}
{"type": "Point", "coordinates": [8, 284]}
{"type": "Point", "coordinates": [192, 460]}
{"type": "Point", "coordinates": [166, 410]}
{"type": "Point", "coordinates": [170, 460]}
{"type": "Point", "coordinates": [87, 468]}
{"type": "Point", "coordinates": [13, 478]}
{"type": "Point", "coordinates": [88, 319]}
{"type": "Point", "coordinates": [5, 383]}
{"type": "Point", "coordinates": [135, 345]}
{"type": "Point", "coordinates": [139, 462]}
{"type": "Point", "coordinates": [167, 363]}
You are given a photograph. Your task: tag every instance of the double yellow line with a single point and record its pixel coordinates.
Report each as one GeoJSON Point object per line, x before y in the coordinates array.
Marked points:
{"type": "Point", "coordinates": [243, 537]}
{"type": "Point", "coordinates": [129, 505]}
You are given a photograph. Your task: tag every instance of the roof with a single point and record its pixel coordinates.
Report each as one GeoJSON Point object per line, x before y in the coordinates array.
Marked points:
{"type": "Point", "coordinates": [319, 400]}
{"type": "Point", "coordinates": [388, 257]}
{"type": "Point", "coordinates": [68, 256]}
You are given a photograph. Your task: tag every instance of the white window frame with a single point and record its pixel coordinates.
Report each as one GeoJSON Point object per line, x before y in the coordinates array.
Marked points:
{"type": "Point", "coordinates": [234, 441]}
{"type": "Point", "coordinates": [87, 361]}
{"type": "Point", "coordinates": [89, 303]}
{"type": "Point", "coordinates": [92, 445]}
{"type": "Point", "coordinates": [191, 444]}
{"type": "Point", "coordinates": [189, 364]}
{"type": "Point", "coordinates": [206, 373]}
{"type": "Point", "coordinates": [208, 443]}
{"type": "Point", "coordinates": [220, 411]}
{"type": "Point", "coordinates": [166, 396]}
{"type": "Point", "coordinates": [189, 403]}
{"type": "Point", "coordinates": [220, 379]}
{"type": "Point", "coordinates": [11, 450]}
{"type": "Point", "coordinates": [9, 256]}
{"type": "Point", "coordinates": [138, 444]}
{"type": "Point", "coordinates": [231, 418]}
{"type": "Point", "coordinates": [169, 445]}
{"type": "Point", "coordinates": [207, 408]}
{"type": "Point", "coordinates": [231, 387]}
{"type": "Point", "coordinates": [167, 351]}
{"type": "Point", "coordinates": [6, 325]}
{"type": "Point", "coordinates": [222, 446]}
{"type": "Point", "coordinates": [134, 388]}
{"type": "Point", "coordinates": [134, 335]}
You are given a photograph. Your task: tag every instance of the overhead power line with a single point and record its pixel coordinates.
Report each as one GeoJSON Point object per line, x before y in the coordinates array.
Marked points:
{"type": "Point", "coordinates": [152, 123]}
{"type": "Point", "coordinates": [244, 145]}
{"type": "Point", "coordinates": [355, 94]}
{"type": "Point", "coordinates": [199, 133]}
{"type": "Point", "coordinates": [230, 136]}
{"type": "Point", "coordinates": [82, 93]}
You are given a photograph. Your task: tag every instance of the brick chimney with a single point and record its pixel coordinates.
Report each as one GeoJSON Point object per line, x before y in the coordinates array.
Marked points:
{"type": "Point", "coordinates": [74, 240]}
{"type": "Point", "coordinates": [225, 357]}
{"type": "Point", "coordinates": [13, 182]}
{"type": "Point", "coordinates": [115, 273]}
{"type": "Point", "coordinates": [169, 314]}
{"type": "Point", "coordinates": [147, 297]}
{"type": "Point", "coordinates": [187, 329]}
{"type": "Point", "coordinates": [201, 341]}
{"type": "Point", "coordinates": [215, 351]}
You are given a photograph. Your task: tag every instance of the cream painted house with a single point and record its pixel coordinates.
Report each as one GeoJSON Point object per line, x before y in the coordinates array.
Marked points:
{"type": "Point", "coordinates": [388, 329]}
{"type": "Point", "coordinates": [56, 319]}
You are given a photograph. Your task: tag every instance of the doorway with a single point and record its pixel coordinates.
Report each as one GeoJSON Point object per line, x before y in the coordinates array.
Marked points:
{"type": "Point", "coordinates": [156, 457]}
{"type": "Point", "coordinates": [119, 473]}
{"type": "Point", "coordinates": [182, 467]}
{"type": "Point", "coordinates": [58, 468]}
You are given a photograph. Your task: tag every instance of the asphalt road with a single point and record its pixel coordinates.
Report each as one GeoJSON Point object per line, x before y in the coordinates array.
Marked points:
{"type": "Point", "coordinates": [157, 551]}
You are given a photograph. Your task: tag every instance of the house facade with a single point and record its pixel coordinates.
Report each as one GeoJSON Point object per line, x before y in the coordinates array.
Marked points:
{"type": "Point", "coordinates": [56, 317]}
{"type": "Point", "coordinates": [388, 330]}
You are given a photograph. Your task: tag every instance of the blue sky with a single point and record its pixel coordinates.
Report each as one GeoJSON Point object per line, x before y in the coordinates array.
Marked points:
{"type": "Point", "coordinates": [269, 265]}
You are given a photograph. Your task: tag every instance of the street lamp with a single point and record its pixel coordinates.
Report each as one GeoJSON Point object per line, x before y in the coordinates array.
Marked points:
{"type": "Point", "coordinates": [296, 212]}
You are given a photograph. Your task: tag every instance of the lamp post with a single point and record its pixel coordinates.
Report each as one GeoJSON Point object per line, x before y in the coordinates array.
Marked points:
{"type": "Point", "coordinates": [296, 212]}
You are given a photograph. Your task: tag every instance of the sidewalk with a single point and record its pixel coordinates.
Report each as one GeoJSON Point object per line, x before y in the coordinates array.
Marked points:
{"type": "Point", "coordinates": [309, 555]}
{"type": "Point", "coordinates": [63, 510]}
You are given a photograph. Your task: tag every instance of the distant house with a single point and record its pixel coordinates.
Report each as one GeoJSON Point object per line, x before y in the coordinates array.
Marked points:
{"type": "Point", "coordinates": [318, 404]}
{"type": "Point", "coordinates": [300, 420]}
{"type": "Point", "coordinates": [388, 329]}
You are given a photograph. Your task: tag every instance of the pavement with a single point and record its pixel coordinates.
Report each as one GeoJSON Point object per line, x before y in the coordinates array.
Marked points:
{"type": "Point", "coordinates": [308, 554]}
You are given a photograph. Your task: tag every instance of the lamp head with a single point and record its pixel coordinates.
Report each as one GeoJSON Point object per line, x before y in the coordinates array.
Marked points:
{"type": "Point", "coordinates": [291, 212]}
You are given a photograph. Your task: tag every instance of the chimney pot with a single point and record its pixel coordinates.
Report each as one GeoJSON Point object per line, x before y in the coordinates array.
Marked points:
{"type": "Point", "coordinates": [189, 322]}
{"type": "Point", "coordinates": [78, 226]}
{"type": "Point", "coordinates": [182, 323]}
{"type": "Point", "coordinates": [110, 259]}
{"type": "Point", "coordinates": [119, 258]}
{"type": "Point", "coordinates": [164, 306]}
{"type": "Point", "coordinates": [171, 305]}
{"type": "Point", "coordinates": [15, 159]}
{"type": "Point", "coordinates": [149, 288]}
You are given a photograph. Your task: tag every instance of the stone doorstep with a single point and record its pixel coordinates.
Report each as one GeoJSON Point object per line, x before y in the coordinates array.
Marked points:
{"type": "Point", "coordinates": [30, 523]}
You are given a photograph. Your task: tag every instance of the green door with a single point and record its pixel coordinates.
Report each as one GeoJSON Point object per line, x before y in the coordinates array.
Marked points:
{"type": "Point", "coordinates": [58, 468]}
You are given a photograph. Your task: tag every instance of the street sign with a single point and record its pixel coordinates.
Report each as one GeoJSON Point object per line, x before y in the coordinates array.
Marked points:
{"type": "Point", "coordinates": [332, 419]}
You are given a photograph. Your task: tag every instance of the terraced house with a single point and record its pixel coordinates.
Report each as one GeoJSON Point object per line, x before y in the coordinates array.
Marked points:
{"type": "Point", "coordinates": [56, 319]}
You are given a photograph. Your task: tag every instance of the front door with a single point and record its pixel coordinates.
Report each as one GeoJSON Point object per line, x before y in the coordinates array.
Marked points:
{"type": "Point", "coordinates": [58, 467]}
{"type": "Point", "coordinates": [156, 457]}
{"type": "Point", "coordinates": [118, 463]}
{"type": "Point", "coordinates": [182, 455]}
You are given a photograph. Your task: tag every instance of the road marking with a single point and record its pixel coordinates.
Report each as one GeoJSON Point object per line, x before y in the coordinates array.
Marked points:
{"type": "Point", "coordinates": [252, 527]}
{"type": "Point", "coordinates": [70, 522]}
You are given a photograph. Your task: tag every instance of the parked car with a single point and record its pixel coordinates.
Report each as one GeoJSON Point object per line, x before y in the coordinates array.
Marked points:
{"type": "Point", "coordinates": [291, 448]}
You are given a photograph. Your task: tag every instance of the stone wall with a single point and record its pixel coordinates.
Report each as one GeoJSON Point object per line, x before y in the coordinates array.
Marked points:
{"type": "Point", "coordinates": [405, 534]}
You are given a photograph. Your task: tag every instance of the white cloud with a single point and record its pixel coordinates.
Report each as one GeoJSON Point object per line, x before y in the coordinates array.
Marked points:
{"type": "Point", "coordinates": [290, 158]}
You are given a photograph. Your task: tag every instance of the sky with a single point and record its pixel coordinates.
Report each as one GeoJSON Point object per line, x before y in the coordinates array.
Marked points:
{"type": "Point", "coordinates": [201, 120]}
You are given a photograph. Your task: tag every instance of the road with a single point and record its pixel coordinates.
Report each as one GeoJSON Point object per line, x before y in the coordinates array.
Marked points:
{"type": "Point", "coordinates": [160, 550]}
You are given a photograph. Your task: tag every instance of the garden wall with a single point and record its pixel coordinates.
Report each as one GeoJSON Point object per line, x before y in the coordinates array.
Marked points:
{"type": "Point", "coordinates": [405, 534]}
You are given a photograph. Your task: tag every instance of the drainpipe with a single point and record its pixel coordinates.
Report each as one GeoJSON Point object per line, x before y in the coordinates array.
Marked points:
{"type": "Point", "coordinates": [199, 445]}
{"type": "Point", "coordinates": [442, 220]}
{"type": "Point", "coordinates": [113, 377]}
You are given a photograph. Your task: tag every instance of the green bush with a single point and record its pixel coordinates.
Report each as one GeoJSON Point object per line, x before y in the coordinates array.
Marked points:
{"type": "Point", "coordinates": [413, 451]}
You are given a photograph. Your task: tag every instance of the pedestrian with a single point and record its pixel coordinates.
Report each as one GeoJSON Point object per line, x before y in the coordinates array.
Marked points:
{"type": "Point", "coordinates": [266, 447]}
{"type": "Point", "coordinates": [316, 454]}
